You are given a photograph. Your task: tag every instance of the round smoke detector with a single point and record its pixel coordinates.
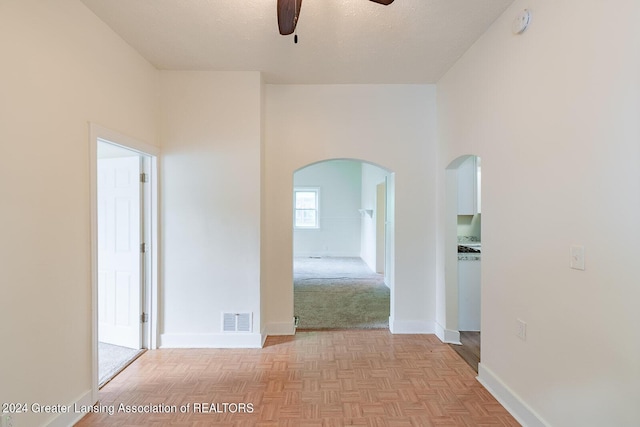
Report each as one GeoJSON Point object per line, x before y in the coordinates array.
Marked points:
{"type": "Point", "coordinates": [521, 22]}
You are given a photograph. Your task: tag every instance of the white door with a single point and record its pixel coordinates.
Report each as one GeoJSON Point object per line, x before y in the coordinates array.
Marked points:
{"type": "Point", "coordinates": [119, 257]}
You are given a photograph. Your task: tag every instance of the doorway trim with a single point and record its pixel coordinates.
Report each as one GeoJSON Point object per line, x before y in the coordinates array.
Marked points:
{"type": "Point", "coordinates": [150, 331]}
{"type": "Point", "coordinates": [449, 332]}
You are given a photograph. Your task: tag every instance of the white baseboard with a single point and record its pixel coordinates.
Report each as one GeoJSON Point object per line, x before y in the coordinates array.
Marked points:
{"type": "Point", "coordinates": [280, 328]}
{"type": "Point", "coordinates": [507, 398]}
{"type": "Point", "coordinates": [328, 254]}
{"type": "Point", "coordinates": [230, 340]}
{"type": "Point", "coordinates": [448, 336]}
{"type": "Point", "coordinates": [72, 417]}
{"type": "Point", "coordinates": [410, 327]}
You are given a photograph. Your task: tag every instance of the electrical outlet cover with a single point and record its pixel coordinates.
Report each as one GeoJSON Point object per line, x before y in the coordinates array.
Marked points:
{"type": "Point", "coordinates": [577, 257]}
{"type": "Point", "coordinates": [522, 330]}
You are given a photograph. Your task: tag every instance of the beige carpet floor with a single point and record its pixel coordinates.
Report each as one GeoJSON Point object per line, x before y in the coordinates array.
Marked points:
{"type": "Point", "coordinates": [339, 293]}
{"type": "Point", "coordinates": [112, 359]}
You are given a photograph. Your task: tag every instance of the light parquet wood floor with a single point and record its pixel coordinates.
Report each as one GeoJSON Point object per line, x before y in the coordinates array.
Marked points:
{"type": "Point", "coordinates": [324, 378]}
{"type": "Point", "coordinates": [470, 348]}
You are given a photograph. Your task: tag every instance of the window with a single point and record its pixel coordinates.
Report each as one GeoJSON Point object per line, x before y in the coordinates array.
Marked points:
{"type": "Point", "coordinates": [306, 207]}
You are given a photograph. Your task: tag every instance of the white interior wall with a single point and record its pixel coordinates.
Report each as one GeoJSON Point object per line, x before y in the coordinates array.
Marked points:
{"type": "Point", "coordinates": [339, 182]}
{"type": "Point", "coordinates": [211, 203]}
{"type": "Point", "coordinates": [389, 125]}
{"type": "Point", "coordinates": [61, 68]}
{"type": "Point", "coordinates": [554, 115]}
{"type": "Point", "coordinates": [371, 176]}
{"type": "Point", "coordinates": [572, 177]}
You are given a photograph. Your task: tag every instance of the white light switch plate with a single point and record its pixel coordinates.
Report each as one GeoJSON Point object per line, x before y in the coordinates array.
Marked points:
{"type": "Point", "coordinates": [577, 257]}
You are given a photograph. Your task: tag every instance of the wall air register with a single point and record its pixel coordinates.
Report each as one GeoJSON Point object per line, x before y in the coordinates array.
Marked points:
{"type": "Point", "coordinates": [237, 322]}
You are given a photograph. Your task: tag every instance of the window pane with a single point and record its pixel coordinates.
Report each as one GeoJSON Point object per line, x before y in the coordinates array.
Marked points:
{"type": "Point", "coordinates": [305, 200]}
{"type": "Point", "coordinates": [306, 218]}
{"type": "Point", "coordinates": [306, 208]}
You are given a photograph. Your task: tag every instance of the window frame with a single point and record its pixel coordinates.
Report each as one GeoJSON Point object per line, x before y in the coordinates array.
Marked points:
{"type": "Point", "coordinates": [315, 190]}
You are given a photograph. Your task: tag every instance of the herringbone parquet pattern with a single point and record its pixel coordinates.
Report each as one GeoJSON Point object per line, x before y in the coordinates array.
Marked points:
{"type": "Point", "coordinates": [329, 378]}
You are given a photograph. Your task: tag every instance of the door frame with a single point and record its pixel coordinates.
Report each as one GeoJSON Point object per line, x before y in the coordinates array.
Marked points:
{"type": "Point", "coordinates": [150, 291]}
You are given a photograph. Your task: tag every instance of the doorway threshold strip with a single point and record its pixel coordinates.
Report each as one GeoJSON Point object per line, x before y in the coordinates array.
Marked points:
{"type": "Point", "coordinates": [112, 359]}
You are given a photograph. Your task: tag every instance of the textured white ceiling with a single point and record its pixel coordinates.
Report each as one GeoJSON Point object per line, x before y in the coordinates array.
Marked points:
{"type": "Point", "coordinates": [340, 41]}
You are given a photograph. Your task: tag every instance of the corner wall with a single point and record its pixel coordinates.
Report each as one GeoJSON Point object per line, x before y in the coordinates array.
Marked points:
{"type": "Point", "coordinates": [339, 182]}
{"type": "Point", "coordinates": [371, 177]}
{"type": "Point", "coordinates": [211, 204]}
{"type": "Point", "coordinates": [554, 115]}
{"type": "Point", "coordinates": [61, 68]}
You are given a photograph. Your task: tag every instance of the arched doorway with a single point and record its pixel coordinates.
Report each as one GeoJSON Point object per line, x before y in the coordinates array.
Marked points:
{"type": "Point", "coordinates": [342, 240]}
{"type": "Point", "coordinates": [463, 250]}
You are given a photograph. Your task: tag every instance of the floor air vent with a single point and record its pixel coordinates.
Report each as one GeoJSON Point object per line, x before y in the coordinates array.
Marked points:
{"type": "Point", "coordinates": [236, 322]}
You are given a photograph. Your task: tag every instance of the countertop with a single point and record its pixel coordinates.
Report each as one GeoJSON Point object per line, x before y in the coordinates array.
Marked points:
{"type": "Point", "coordinates": [471, 242]}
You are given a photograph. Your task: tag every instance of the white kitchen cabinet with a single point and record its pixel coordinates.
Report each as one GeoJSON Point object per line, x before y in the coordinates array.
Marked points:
{"type": "Point", "coordinates": [469, 187]}
{"type": "Point", "coordinates": [469, 295]}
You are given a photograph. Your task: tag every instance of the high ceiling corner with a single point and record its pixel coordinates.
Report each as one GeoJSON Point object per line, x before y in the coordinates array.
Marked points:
{"type": "Point", "coordinates": [340, 41]}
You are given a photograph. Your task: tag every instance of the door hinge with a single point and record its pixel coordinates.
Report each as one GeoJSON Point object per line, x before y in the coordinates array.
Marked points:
{"type": "Point", "coordinates": [144, 318]}
{"type": "Point", "coordinates": [143, 177]}
{"type": "Point", "coordinates": [143, 248]}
